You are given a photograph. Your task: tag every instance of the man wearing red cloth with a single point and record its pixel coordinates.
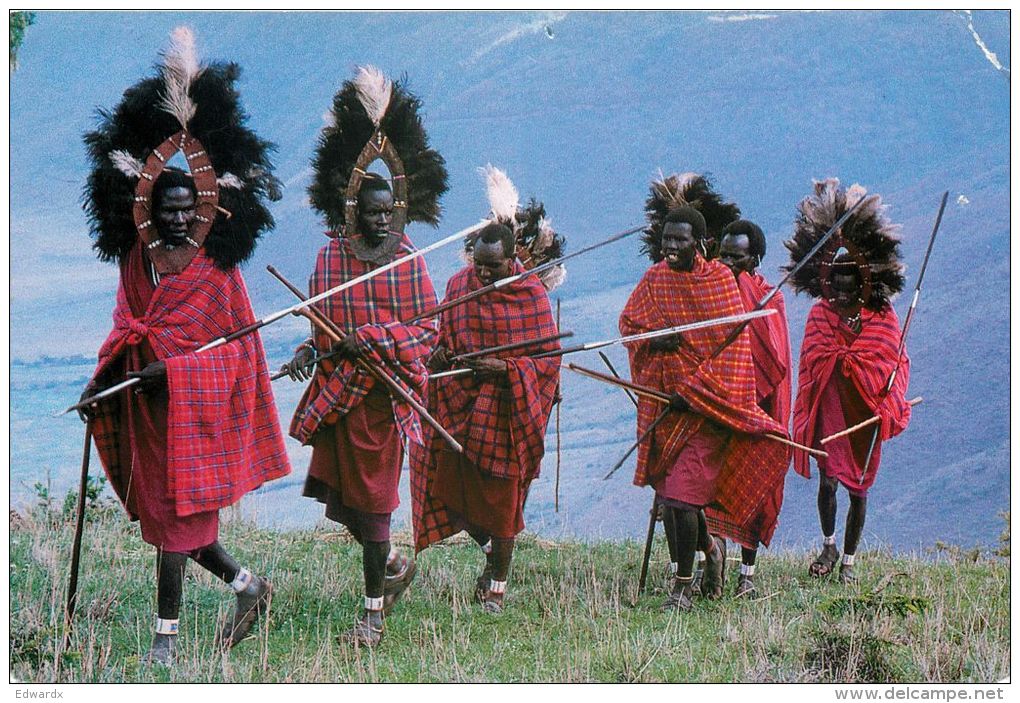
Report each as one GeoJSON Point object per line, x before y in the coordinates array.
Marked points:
{"type": "Point", "coordinates": [356, 429]}
{"type": "Point", "coordinates": [707, 450]}
{"type": "Point", "coordinates": [499, 413]}
{"type": "Point", "coordinates": [200, 430]}
{"type": "Point", "coordinates": [742, 249]}
{"type": "Point", "coordinates": [846, 358]}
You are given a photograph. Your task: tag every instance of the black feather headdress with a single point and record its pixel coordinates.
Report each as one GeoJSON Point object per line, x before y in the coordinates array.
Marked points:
{"type": "Point", "coordinates": [373, 118]}
{"type": "Point", "coordinates": [694, 190]}
{"type": "Point", "coordinates": [537, 242]}
{"type": "Point", "coordinates": [194, 109]}
{"type": "Point", "coordinates": [867, 237]}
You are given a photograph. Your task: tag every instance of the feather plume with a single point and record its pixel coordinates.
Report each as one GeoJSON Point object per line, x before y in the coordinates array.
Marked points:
{"type": "Point", "coordinates": [229, 180]}
{"type": "Point", "coordinates": [180, 69]}
{"type": "Point", "coordinates": [374, 92]}
{"type": "Point", "coordinates": [553, 278]}
{"type": "Point", "coordinates": [545, 236]}
{"type": "Point", "coordinates": [126, 163]}
{"type": "Point", "coordinates": [503, 198]}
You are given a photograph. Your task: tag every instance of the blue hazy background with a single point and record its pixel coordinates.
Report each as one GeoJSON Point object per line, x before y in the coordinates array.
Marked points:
{"type": "Point", "coordinates": [582, 110]}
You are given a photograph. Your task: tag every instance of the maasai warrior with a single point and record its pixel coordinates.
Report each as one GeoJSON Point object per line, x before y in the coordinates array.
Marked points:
{"type": "Point", "coordinates": [850, 348]}
{"type": "Point", "coordinates": [708, 450]}
{"type": "Point", "coordinates": [356, 429]}
{"type": "Point", "coordinates": [665, 195]}
{"type": "Point", "coordinates": [500, 412]}
{"type": "Point", "coordinates": [199, 431]}
{"type": "Point", "coordinates": [742, 249]}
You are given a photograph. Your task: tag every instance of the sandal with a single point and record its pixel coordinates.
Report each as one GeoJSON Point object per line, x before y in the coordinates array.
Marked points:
{"type": "Point", "coordinates": [825, 562]}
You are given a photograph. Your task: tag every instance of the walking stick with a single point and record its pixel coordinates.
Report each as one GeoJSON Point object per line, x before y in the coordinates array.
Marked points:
{"type": "Point", "coordinates": [72, 581]}
{"type": "Point", "coordinates": [559, 401]}
{"type": "Point", "coordinates": [906, 329]}
{"type": "Point", "coordinates": [649, 538]}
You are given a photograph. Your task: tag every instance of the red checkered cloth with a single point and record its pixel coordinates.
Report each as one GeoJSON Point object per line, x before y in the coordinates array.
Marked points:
{"type": "Point", "coordinates": [223, 433]}
{"type": "Point", "coordinates": [721, 389]}
{"type": "Point", "coordinates": [375, 310]}
{"type": "Point", "coordinates": [866, 358]}
{"type": "Point", "coordinates": [770, 351]}
{"type": "Point", "coordinates": [502, 428]}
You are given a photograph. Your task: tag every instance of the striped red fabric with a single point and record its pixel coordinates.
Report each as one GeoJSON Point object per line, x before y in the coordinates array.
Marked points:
{"type": "Point", "coordinates": [375, 310]}
{"type": "Point", "coordinates": [502, 427]}
{"type": "Point", "coordinates": [866, 358]}
{"type": "Point", "coordinates": [223, 432]}
{"type": "Point", "coordinates": [770, 351]}
{"type": "Point", "coordinates": [722, 389]}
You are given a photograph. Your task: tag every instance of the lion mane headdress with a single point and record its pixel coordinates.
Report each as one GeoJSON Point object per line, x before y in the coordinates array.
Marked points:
{"type": "Point", "coordinates": [693, 190]}
{"type": "Point", "coordinates": [867, 241]}
{"type": "Point", "coordinates": [193, 109]}
{"type": "Point", "coordinates": [537, 242]}
{"type": "Point", "coordinates": [373, 119]}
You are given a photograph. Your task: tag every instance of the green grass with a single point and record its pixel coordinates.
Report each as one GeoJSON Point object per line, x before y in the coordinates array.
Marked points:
{"type": "Point", "coordinates": [570, 615]}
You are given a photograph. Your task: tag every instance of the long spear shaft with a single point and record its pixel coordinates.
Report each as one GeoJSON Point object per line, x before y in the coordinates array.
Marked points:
{"type": "Point", "coordinates": [79, 527]}
{"type": "Point", "coordinates": [511, 346]}
{"type": "Point", "coordinates": [336, 334]}
{"type": "Point", "coordinates": [789, 274]}
{"type": "Point", "coordinates": [861, 425]}
{"type": "Point", "coordinates": [269, 319]}
{"type": "Point", "coordinates": [906, 328]}
{"type": "Point", "coordinates": [649, 538]}
{"type": "Point", "coordinates": [729, 319]}
{"type": "Point", "coordinates": [612, 369]}
{"type": "Point", "coordinates": [642, 438]}
{"type": "Point", "coordinates": [503, 282]}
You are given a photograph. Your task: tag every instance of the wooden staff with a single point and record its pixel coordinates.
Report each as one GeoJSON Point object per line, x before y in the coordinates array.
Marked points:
{"type": "Point", "coordinates": [330, 328]}
{"type": "Point", "coordinates": [269, 319]}
{"type": "Point", "coordinates": [649, 538]}
{"type": "Point", "coordinates": [511, 346]}
{"type": "Point", "coordinates": [79, 527]}
{"type": "Point", "coordinates": [866, 423]}
{"type": "Point", "coordinates": [660, 397]}
{"type": "Point", "coordinates": [503, 282]}
{"type": "Point", "coordinates": [559, 401]}
{"type": "Point", "coordinates": [906, 327]}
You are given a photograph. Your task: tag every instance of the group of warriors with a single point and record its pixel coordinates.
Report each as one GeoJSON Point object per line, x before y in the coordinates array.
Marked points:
{"type": "Point", "coordinates": [464, 388]}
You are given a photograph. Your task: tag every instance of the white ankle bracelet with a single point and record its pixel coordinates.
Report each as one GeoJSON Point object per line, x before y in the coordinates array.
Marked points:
{"type": "Point", "coordinates": [242, 580]}
{"type": "Point", "coordinates": [167, 627]}
{"type": "Point", "coordinates": [747, 569]}
{"type": "Point", "coordinates": [373, 603]}
{"type": "Point", "coordinates": [848, 559]}
{"type": "Point", "coordinates": [497, 586]}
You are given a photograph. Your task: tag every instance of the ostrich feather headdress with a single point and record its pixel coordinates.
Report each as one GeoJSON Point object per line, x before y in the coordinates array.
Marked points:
{"type": "Point", "coordinates": [691, 189]}
{"type": "Point", "coordinates": [867, 237]}
{"type": "Point", "coordinates": [375, 119]}
{"type": "Point", "coordinates": [537, 241]}
{"type": "Point", "coordinates": [193, 109]}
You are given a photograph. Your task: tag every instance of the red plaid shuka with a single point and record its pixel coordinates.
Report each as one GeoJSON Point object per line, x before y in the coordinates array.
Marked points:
{"type": "Point", "coordinates": [866, 358]}
{"type": "Point", "coordinates": [770, 351]}
{"type": "Point", "coordinates": [223, 433]}
{"type": "Point", "coordinates": [501, 428]}
{"type": "Point", "coordinates": [722, 389]}
{"type": "Point", "coordinates": [374, 310]}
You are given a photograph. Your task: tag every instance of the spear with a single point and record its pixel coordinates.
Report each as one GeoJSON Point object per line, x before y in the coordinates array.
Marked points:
{"type": "Point", "coordinates": [612, 369]}
{"type": "Point", "coordinates": [511, 346]}
{"type": "Point", "coordinates": [789, 274]}
{"type": "Point", "coordinates": [79, 526]}
{"type": "Point", "coordinates": [906, 329]}
{"type": "Point", "coordinates": [336, 334]}
{"type": "Point", "coordinates": [641, 336]}
{"type": "Point", "coordinates": [861, 425]}
{"type": "Point", "coordinates": [503, 282]}
{"type": "Point", "coordinates": [269, 319]}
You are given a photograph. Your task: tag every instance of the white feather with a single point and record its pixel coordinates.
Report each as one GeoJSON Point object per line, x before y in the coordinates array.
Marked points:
{"type": "Point", "coordinates": [229, 180]}
{"type": "Point", "coordinates": [545, 236]}
{"type": "Point", "coordinates": [126, 163]}
{"type": "Point", "coordinates": [180, 69]}
{"type": "Point", "coordinates": [551, 278]}
{"type": "Point", "coordinates": [374, 92]}
{"type": "Point", "coordinates": [503, 198]}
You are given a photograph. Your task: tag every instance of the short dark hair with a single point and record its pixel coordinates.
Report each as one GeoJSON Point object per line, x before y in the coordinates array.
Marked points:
{"type": "Point", "coordinates": [755, 237]}
{"type": "Point", "coordinates": [373, 181]}
{"type": "Point", "coordinates": [171, 178]}
{"type": "Point", "coordinates": [688, 215]}
{"type": "Point", "coordinates": [495, 232]}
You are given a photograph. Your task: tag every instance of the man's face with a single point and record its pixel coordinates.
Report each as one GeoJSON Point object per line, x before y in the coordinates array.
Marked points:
{"type": "Point", "coordinates": [375, 212]}
{"type": "Point", "coordinates": [735, 252]}
{"type": "Point", "coordinates": [174, 215]}
{"type": "Point", "coordinates": [678, 245]}
{"type": "Point", "coordinates": [845, 288]}
{"type": "Point", "coordinates": [491, 264]}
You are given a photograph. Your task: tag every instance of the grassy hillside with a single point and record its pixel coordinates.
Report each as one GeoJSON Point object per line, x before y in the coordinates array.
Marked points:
{"type": "Point", "coordinates": [571, 615]}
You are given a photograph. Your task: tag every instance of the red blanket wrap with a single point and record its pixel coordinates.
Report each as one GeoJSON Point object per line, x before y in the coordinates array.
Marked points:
{"type": "Point", "coordinates": [500, 424]}
{"type": "Point", "coordinates": [832, 350]}
{"type": "Point", "coordinates": [374, 310]}
{"type": "Point", "coordinates": [722, 389]}
{"type": "Point", "coordinates": [770, 351]}
{"type": "Point", "coordinates": [223, 433]}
